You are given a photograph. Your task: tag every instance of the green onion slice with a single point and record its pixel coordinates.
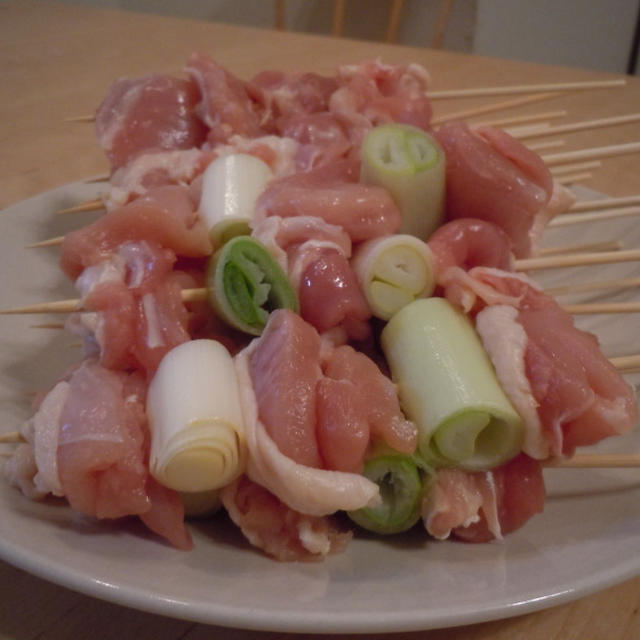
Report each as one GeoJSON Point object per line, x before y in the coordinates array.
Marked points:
{"type": "Point", "coordinates": [400, 484]}
{"type": "Point", "coordinates": [245, 284]}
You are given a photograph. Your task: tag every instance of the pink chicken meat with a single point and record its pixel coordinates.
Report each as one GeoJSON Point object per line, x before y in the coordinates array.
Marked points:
{"type": "Point", "coordinates": [153, 113]}
{"type": "Point", "coordinates": [493, 177]}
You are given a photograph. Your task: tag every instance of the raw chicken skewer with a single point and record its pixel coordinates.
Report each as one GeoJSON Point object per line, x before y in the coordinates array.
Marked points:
{"type": "Point", "coordinates": [200, 294]}
{"type": "Point", "coordinates": [580, 461]}
{"type": "Point", "coordinates": [558, 221]}
{"type": "Point", "coordinates": [543, 91]}
{"type": "Point", "coordinates": [217, 286]}
{"type": "Point", "coordinates": [552, 160]}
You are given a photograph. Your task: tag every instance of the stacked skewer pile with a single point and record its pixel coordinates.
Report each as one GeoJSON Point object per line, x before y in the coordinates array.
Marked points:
{"type": "Point", "coordinates": [567, 167]}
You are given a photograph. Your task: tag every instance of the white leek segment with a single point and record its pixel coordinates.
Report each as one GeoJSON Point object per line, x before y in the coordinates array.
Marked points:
{"type": "Point", "coordinates": [447, 386]}
{"type": "Point", "coordinates": [231, 185]}
{"type": "Point", "coordinates": [410, 164]}
{"type": "Point", "coordinates": [393, 271]}
{"type": "Point", "coordinates": [195, 419]}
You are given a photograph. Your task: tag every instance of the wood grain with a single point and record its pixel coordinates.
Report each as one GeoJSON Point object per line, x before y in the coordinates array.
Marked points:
{"type": "Point", "coordinates": [57, 61]}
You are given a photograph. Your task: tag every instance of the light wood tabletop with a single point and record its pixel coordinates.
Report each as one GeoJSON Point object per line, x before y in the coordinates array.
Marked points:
{"type": "Point", "coordinates": [57, 60]}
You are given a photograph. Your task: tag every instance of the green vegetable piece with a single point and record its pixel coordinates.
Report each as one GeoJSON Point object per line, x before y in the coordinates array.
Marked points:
{"type": "Point", "coordinates": [400, 485]}
{"type": "Point", "coordinates": [410, 164]}
{"type": "Point", "coordinates": [245, 284]}
{"type": "Point", "coordinates": [448, 387]}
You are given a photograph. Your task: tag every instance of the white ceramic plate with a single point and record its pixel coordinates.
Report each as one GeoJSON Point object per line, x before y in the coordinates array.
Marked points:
{"type": "Point", "coordinates": [587, 539]}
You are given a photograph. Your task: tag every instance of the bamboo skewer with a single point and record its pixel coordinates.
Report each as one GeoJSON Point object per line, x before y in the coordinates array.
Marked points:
{"type": "Point", "coordinates": [48, 325]}
{"type": "Point", "coordinates": [105, 177]}
{"type": "Point", "coordinates": [575, 167]}
{"type": "Point", "coordinates": [594, 216]}
{"type": "Point", "coordinates": [604, 203]}
{"type": "Point", "coordinates": [607, 151]}
{"type": "Point", "coordinates": [610, 245]}
{"type": "Point", "coordinates": [578, 126]}
{"type": "Point", "coordinates": [457, 115]}
{"type": "Point", "coordinates": [479, 92]}
{"type": "Point", "coordinates": [57, 306]}
{"type": "Point", "coordinates": [626, 362]}
{"type": "Point", "coordinates": [491, 108]}
{"type": "Point", "coordinates": [525, 118]}
{"type": "Point", "coordinates": [200, 295]}
{"type": "Point", "coordinates": [525, 264]}
{"type": "Point", "coordinates": [545, 144]}
{"type": "Point", "coordinates": [10, 438]}
{"type": "Point", "coordinates": [552, 161]}
{"type": "Point", "coordinates": [50, 242]}
{"type": "Point", "coordinates": [602, 307]}
{"type": "Point", "coordinates": [539, 93]}
{"type": "Point", "coordinates": [558, 221]}
{"type": "Point", "coordinates": [597, 461]}
{"type": "Point", "coordinates": [622, 283]}
{"type": "Point", "coordinates": [86, 118]}
{"type": "Point", "coordinates": [578, 260]}
{"type": "Point", "coordinates": [528, 130]}
{"type": "Point", "coordinates": [90, 205]}
{"type": "Point", "coordinates": [574, 178]}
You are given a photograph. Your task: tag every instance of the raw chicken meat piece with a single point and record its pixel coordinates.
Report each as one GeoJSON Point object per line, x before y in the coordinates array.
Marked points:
{"type": "Point", "coordinates": [281, 532]}
{"type": "Point", "coordinates": [491, 176]}
{"type": "Point", "coordinates": [334, 194]}
{"type": "Point", "coordinates": [151, 113]}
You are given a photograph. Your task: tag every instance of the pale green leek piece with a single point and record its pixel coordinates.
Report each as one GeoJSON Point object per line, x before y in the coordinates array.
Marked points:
{"type": "Point", "coordinates": [393, 271]}
{"type": "Point", "coordinates": [245, 284]}
{"type": "Point", "coordinates": [447, 386]}
{"type": "Point", "coordinates": [399, 478]}
{"type": "Point", "coordinates": [410, 164]}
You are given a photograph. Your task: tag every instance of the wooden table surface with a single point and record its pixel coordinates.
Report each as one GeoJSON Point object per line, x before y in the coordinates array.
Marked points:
{"type": "Point", "coordinates": [56, 61]}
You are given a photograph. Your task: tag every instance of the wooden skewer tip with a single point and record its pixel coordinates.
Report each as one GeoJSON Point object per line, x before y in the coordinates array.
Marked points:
{"type": "Point", "coordinates": [597, 460]}
{"type": "Point", "coordinates": [11, 437]}
{"type": "Point", "coordinates": [89, 205]}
